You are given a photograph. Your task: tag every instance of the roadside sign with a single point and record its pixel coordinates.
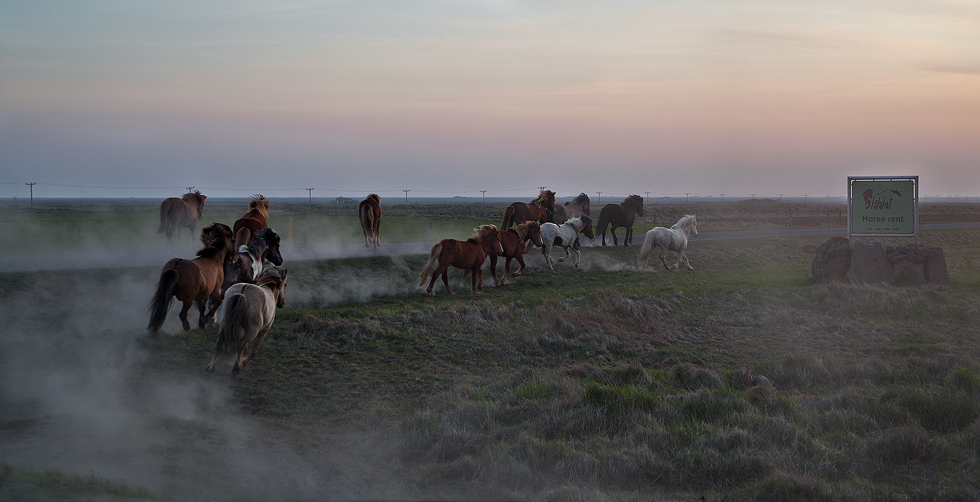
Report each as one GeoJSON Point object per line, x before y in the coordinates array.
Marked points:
{"type": "Point", "coordinates": [883, 206]}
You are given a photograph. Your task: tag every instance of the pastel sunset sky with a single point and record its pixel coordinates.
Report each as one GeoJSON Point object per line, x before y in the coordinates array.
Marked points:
{"type": "Point", "coordinates": [142, 98]}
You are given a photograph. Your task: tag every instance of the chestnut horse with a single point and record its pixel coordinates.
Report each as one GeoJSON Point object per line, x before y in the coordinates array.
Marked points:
{"type": "Point", "coordinates": [180, 213]}
{"type": "Point", "coordinates": [579, 206]}
{"type": "Point", "coordinates": [254, 220]}
{"type": "Point", "coordinates": [512, 241]}
{"type": "Point", "coordinates": [369, 212]}
{"type": "Point", "coordinates": [467, 255]}
{"type": "Point", "coordinates": [247, 316]}
{"type": "Point", "coordinates": [246, 264]}
{"type": "Point", "coordinates": [537, 210]}
{"type": "Point", "coordinates": [620, 215]}
{"type": "Point", "coordinates": [189, 281]}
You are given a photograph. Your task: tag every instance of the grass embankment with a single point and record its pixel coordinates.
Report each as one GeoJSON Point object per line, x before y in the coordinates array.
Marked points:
{"type": "Point", "coordinates": [742, 379]}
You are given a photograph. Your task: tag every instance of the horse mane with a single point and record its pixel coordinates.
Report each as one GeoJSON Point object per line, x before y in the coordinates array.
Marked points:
{"type": "Point", "coordinates": [575, 223]}
{"type": "Point", "coordinates": [272, 278]}
{"type": "Point", "coordinates": [482, 231]}
{"type": "Point", "coordinates": [633, 200]}
{"type": "Point", "coordinates": [215, 238]}
{"type": "Point", "coordinates": [684, 221]}
{"type": "Point", "coordinates": [194, 197]}
{"type": "Point", "coordinates": [546, 197]}
{"type": "Point", "coordinates": [259, 203]}
{"type": "Point", "coordinates": [582, 201]}
{"type": "Point", "coordinates": [375, 197]}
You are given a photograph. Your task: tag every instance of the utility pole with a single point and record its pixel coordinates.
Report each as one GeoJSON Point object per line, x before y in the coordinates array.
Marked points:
{"type": "Point", "coordinates": [780, 197]}
{"type": "Point", "coordinates": [311, 197]}
{"type": "Point", "coordinates": [648, 195]}
{"type": "Point", "coordinates": [406, 195]}
{"type": "Point", "coordinates": [804, 198]}
{"type": "Point", "coordinates": [600, 197]}
{"type": "Point", "coordinates": [31, 184]}
{"type": "Point", "coordinates": [542, 188]}
{"type": "Point", "coordinates": [484, 196]}
{"type": "Point", "coordinates": [189, 189]}
{"type": "Point", "coordinates": [753, 196]}
{"type": "Point", "coordinates": [723, 197]}
{"type": "Point", "coordinates": [688, 199]}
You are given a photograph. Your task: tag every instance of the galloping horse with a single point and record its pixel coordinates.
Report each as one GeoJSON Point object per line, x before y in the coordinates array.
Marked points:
{"type": "Point", "coordinates": [512, 242]}
{"type": "Point", "coordinates": [180, 213]}
{"type": "Point", "coordinates": [246, 264]}
{"type": "Point", "coordinates": [566, 236]}
{"type": "Point", "coordinates": [579, 206]}
{"type": "Point", "coordinates": [254, 220]}
{"type": "Point", "coordinates": [247, 316]}
{"type": "Point", "coordinates": [620, 215]}
{"type": "Point", "coordinates": [673, 239]}
{"type": "Point", "coordinates": [537, 210]}
{"type": "Point", "coordinates": [467, 255]}
{"type": "Point", "coordinates": [197, 280]}
{"type": "Point", "coordinates": [369, 212]}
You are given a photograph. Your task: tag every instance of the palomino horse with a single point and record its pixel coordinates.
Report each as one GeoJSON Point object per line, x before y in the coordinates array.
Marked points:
{"type": "Point", "coordinates": [467, 255]}
{"type": "Point", "coordinates": [566, 236]}
{"type": "Point", "coordinates": [579, 206]}
{"type": "Point", "coordinates": [180, 213]}
{"type": "Point", "coordinates": [246, 264]}
{"type": "Point", "coordinates": [537, 210]}
{"type": "Point", "coordinates": [247, 316]}
{"type": "Point", "coordinates": [620, 215]}
{"type": "Point", "coordinates": [189, 281]}
{"type": "Point", "coordinates": [254, 220]}
{"type": "Point", "coordinates": [369, 212]}
{"type": "Point", "coordinates": [673, 239]}
{"type": "Point", "coordinates": [512, 242]}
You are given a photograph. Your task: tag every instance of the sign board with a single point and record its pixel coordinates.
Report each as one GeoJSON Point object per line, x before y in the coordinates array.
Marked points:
{"type": "Point", "coordinates": [883, 206]}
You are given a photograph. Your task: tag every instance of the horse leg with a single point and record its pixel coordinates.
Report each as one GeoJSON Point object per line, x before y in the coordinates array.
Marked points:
{"type": "Point", "coordinates": [546, 251]}
{"type": "Point", "coordinates": [255, 345]}
{"type": "Point", "coordinates": [628, 238]}
{"type": "Point", "coordinates": [493, 270]}
{"type": "Point", "coordinates": [476, 283]}
{"type": "Point", "coordinates": [683, 256]}
{"type": "Point", "coordinates": [663, 259]}
{"type": "Point", "coordinates": [613, 232]}
{"type": "Point", "coordinates": [445, 280]}
{"type": "Point", "coordinates": [183, 315]}
{"type": "Point", "coordinates": [215, 302]}
{"type": "Point", "coordinates": [578, 256]}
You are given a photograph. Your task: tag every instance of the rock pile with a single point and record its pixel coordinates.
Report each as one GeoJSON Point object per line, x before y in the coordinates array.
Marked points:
{"type": "Point", "coordinates": [870, 261]}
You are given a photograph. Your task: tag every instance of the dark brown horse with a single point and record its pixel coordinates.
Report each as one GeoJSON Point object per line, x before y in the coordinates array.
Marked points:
{"type": "Point", "coordinates": [189, 281]}
{"type": "Point", "coordinates": [537, 210]}
{"type": "Point", "coordinates": [577, 207]}
{"type": "Point", "coordinates": [369, 212]}
{"type": "Point", "coordinates": [254, 220]}
{"type": "Point", "coordinates": [467, 255]}
{"type": "Point", "coordinates": [246, 265]}
{"type": "Point", "coordinates": [180, 213]}
{"type": "Point", "coordinates": [512, 241]}
{"type": "Point", "coordinates": [620, 215]}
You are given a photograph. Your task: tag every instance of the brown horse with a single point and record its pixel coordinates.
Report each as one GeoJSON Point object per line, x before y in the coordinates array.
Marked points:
{"type": "Point", "coordinates": [254, 220]}
{"type": "Point", "coordinates": [247, 316]}
{"type": "Point", "coordinates": [467, 255]}
{"type": "Point", "coordinates": [180, 213]}
{"type": "Point", "coordinates": [189, 281]}
{"type": "Point", "coordinates": [369, 212]}
{"type": "Point", "coordinates": [620, 215]}
{"type": "Point", "coordinates": [537, 210]}
{"type": "Point", "coordinates": [512, 242]}
{"type": "Point", "coordinates": [576, 208]}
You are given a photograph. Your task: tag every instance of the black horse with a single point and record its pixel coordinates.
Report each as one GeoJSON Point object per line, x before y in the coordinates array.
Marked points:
{"type": "Point", "coordinates": [246, 264]}
{"type": "Point", "coordinates": [620, 215]}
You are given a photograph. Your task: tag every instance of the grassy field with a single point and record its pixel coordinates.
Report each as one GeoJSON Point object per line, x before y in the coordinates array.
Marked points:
{"type": "Point", "coordinates": [740, 380]}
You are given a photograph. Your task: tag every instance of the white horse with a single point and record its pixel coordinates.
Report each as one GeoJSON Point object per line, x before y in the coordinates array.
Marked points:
{"type": "Point", "coordinates": [247, 315]}
{"type": "Point", "coordinates": [566, 236]}
{"type": "Point", "coordinates": [672, 239]}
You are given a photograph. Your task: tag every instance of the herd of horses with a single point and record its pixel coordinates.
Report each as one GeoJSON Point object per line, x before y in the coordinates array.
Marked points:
{"type": "Point", "coordinates": [239, 269]}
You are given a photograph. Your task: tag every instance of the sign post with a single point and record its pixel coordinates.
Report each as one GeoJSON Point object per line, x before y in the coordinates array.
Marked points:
{"type": "Point", "coordinates": [883, 206]}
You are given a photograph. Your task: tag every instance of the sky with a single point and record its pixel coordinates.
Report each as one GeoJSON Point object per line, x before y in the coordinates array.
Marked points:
{"type": "Point", "coordinates": [118, 98]}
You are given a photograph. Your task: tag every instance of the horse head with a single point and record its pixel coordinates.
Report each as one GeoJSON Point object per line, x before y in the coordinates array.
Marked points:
{"type": "Point", "coordinates": [197, 200]}
{"type": "Point", "coordinates": [582, 203]}
{"type": "Point", "coordinates": [275, 279]}
{"type": "Point", "coordinates": [634, 202]}
{"type": "Point", "coordinates": [489, 238]}
{"type": "Point", "coordinates": [587, 227]}
{"type": "Point", "coordinates": [270, 241]}
{"type": "Point", "coordinates": [217, 238]}
{"type": "Point", "coordinates": [688, 224]}
{"type": "Point", "coordinates": [545, 200]}
{"type": "Point", "coordinates": [532, 232]}
{"type": "Point", "coordinates": [281, 292]}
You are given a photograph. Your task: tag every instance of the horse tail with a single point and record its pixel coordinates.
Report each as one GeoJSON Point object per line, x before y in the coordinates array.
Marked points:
{"type": "Point", "coordinates": [646, 249]}
{"type": "Point", "coordinates": [242, 237]}
{"type": "Point", "coordinates": [229, 343]}
{"type": "Point", "coordinates": [509, 214]}
{"type": "Point", "coordinates": [163, 298]}
{"type": "Point", "coordinates": [163, 218]}
{"type": "Point", "coordinates": [433, 258]}
{"type": "Point", "coordinates": [603, 222]}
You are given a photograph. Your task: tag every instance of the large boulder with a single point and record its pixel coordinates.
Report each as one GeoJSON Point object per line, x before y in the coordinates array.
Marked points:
{"type": "Point", "coordinates": [869, 263]}
{"type": "Point", "coordinates": [832, 260]}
